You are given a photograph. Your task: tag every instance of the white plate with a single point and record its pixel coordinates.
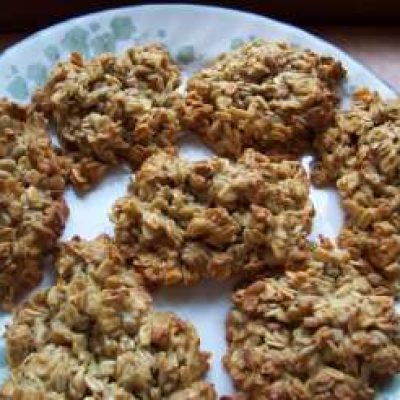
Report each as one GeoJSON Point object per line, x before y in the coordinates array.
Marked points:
{"type": "Point", "coordinates": [193, 34]}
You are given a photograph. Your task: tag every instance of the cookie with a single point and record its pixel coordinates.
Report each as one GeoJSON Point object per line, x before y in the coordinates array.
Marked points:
{"type": "Point", "coordinates": [113, 109]}
{"type": "Point", "coordinates": [269, 96]}
{"type": "Point", "coordinates": [321, 332]}
{"type": "Point", "coordinates": [95, 335]}
{"type": "Point", "coordinates": [32, 209]}
{"type": "Point", "coordinates": [361, 156]}
{"type": "Point", "coordinates": [183, 221]}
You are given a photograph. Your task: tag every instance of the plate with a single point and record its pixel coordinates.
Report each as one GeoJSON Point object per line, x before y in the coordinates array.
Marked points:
{"type": "Point", "coordinates": [193, 34]}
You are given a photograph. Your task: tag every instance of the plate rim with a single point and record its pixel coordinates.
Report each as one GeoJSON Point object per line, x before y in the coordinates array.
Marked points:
{"type": "Point", "coordinates": [8, 51]}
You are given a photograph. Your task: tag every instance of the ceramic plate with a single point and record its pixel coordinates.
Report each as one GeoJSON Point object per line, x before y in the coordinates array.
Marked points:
{"type": "Point", "coordinates": [193, 34]}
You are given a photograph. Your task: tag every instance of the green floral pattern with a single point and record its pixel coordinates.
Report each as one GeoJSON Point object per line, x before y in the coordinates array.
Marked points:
{"type": "Point", "coordinates": [18, 88]}
{"type": "Point", "coordinates": [235, 43]}
{"type": "Point", "coordinates": [90, 40]}
{"type": "Point", "coordinates": [37, 73]}
{"type": "Point", "coordinates": [122, 28]}
{"type": "Point", "coordinates": [52, 53]}
{"type": "Point", "coordinates": [186, 54]}
{"type": "Point", "coordinates": [102, 43]}
{"type": "Point", "coordinates": [76, 40]}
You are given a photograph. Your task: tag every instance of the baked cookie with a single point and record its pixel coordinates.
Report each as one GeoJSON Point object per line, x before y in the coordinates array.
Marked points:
{"type": "Point", "coordinates": [270, 96]}
{"type": "Point", "coordinates": [372, 222]}
{"type": "Point", "coordinates": [95, 335]}
{"type": "Point", "coordinates": [113, 109]}
{"type": "Point", "coordinates": [361, 155]}
{"type": "Point", "coordinates": [367, 134]}
{"type": "Point", "coordinates": [183, 221]}
{"type": "Point", "coordinates": [32, 209]}
{"type": "Point", "coordinates": [322, 332]}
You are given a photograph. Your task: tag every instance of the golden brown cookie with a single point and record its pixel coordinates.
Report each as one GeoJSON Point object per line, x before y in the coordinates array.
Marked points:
{"type": "Point", "coordinates": [361, 155]}
{"type": "Point", "coordinates": [323, 332]}
{"type": "Point", "coordinates": [183, 221]}
{"type": "Point", "coordinates": [364, 135]}
{"type": "Point", "coordinates": [372, 222]}
{"type": "Point", "coordinates": [270, 96]}
{"type": "Point", "coordinates": [95, 335]}
{"type": "Point", "coordinates": [32, 209]}
{"type": "Point", "coordinates": [113, 109]}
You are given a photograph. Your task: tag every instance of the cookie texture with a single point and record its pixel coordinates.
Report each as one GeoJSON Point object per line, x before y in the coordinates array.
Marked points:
{"type": "Point", "coordinates": [270, 96]}
{"type": "Point", "coordinates": [183, 221]}
{"type": "Point", "coordinates": [322, 332]}
{"type": "Point", "coordinates": [361, 156]}
{"type": "Point", "coordinates": [113, 109]}
{"type": "Point", "coordinates": [32, 209]}
{"type": "Point", "coordinates": [95, 335]}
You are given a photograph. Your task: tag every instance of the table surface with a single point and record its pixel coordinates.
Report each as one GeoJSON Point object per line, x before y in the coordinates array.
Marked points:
{"type": "Point", "coordinates": [376, 47]}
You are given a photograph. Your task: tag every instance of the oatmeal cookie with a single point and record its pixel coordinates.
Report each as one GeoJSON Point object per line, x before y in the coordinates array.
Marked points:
{"type": "Point", "coordinates": [113, 109]}
{"type": "Point", "coordinates": [361, 155]}
{"type": "Point", "coordinates": [372, 222]}
{"type": "Point", "coordinates": [95, 335]}
{"type": "Point", "coordinates": [32, 210]}
{"type": "Point", "coordinates": [185, 221]}
{"type": "Point", "coordinates": [365, 135]}
{"type": "Point", "coordinates": [265, 95]}
{"type": "Point", "coordinates": [318, 333]}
